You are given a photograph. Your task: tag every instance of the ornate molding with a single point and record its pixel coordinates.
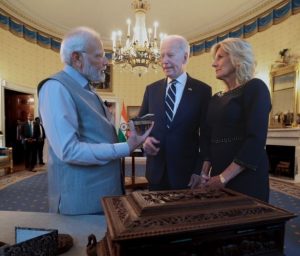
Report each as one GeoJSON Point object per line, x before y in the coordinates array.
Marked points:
{"type": "Point", "coordinates": [244, 18]}
{"type": "Point", "coordinates": [245, 29]}
{"type": "Point", "coordinates": [18, 15]}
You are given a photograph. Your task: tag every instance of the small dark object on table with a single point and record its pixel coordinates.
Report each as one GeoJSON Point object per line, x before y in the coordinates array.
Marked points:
{"type": "Point", "coordinates": [65, 242]}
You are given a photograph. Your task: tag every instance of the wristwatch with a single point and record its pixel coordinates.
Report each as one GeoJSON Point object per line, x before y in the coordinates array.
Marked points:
{"type": "Point", "coordinates": [222, 179]}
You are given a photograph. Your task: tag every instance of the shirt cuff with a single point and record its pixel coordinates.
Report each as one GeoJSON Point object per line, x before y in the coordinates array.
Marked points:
{"type": "Point", "coordinates": [248, 166]}
{"type": "Point", "coordinates": [122, 149]}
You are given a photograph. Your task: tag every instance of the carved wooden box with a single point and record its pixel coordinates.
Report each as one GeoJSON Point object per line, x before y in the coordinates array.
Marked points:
{"type": "Point", "coordinates": [192, 223]}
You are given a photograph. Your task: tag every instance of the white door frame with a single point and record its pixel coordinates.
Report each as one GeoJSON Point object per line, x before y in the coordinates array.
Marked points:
{"type": "Point", "coordinates": [14, 87]}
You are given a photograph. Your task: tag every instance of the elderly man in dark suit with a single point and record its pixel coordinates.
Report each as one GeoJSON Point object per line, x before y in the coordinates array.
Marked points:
{"type": "Point", "coordinates": [179, 103]}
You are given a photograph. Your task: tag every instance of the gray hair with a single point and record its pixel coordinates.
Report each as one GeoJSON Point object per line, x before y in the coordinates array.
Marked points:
{"type": "Point", "coordinates": [76, 40]}
{"type": "Point", "coordinates": [182, 43]}
{"type": "Point", "coordinates": [241, 55]}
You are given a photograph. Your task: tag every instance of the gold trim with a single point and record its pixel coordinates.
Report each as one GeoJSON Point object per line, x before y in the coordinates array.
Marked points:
{"type": "Point", "coordinates": [237, 23]}
{"type": "Point", "coordinates": [281, 71]}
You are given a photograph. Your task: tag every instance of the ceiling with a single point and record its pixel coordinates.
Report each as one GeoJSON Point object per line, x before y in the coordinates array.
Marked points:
{"type": "Point", "coordinates": [193, 19]}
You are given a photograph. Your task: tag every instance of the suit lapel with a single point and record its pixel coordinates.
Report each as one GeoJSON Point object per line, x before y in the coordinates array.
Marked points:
{"type": "Point", "coordinates": [161, 101]}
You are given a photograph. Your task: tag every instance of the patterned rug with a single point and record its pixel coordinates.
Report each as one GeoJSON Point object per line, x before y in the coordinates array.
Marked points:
{"type": "Point", "coordinates": [285, 188]}
{"type": "Point", "coordinates": [18, 176]}
{"type": "Point", "coordinates": [28, 195]}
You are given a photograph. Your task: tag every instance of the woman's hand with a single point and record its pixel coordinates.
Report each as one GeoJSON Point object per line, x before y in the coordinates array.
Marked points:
{"type": "Point", "coordinates": [215, 183]}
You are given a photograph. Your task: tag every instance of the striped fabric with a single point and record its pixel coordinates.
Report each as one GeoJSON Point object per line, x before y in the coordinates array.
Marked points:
{"type": "Point", "coordinates": [170, 102]}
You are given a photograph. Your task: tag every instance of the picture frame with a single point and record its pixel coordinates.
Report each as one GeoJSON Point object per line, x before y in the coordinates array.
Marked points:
{"type": "Point", "coordinates": [106, 86]}
{"type": "Point", "coordinates": [132, 111]}
{"type": "Point", "coordinates": [284, 81]}
{"type": "Point", "coordinates": [284, 94]}
{"type": "Point", "coordinates": [113, 105]}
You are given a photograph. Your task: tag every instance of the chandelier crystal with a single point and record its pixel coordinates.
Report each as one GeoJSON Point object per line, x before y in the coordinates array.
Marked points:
{"type": "Point", "coordinates": [142, 51]}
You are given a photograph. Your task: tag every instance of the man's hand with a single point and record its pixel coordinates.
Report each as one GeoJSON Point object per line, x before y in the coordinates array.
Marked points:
{"type": "Point", "coordinates": [150, 147]}
{"type": "Point", "coordinates": [134, 140]}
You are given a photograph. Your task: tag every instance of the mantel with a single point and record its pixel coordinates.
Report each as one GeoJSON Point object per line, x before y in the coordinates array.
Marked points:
{"type": "Point", "coordinates": [284, 136]}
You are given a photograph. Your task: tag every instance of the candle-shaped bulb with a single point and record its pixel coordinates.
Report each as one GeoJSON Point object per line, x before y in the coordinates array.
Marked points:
{"type": "Point", "coordinates": [149, 34]}
{"type": "Point", "coordinates": [128, 21]}
{"type": "Point", "coordinates": [155, 29]}
{"type": "Point", "coordinates": [119, 38]}
{"type": "Point", "coordinates": [113, 38]}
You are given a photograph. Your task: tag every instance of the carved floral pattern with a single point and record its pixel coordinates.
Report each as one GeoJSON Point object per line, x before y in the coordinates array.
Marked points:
{"type": "Point", "coordinates": [175, 196]}
{"type": "Point", "coordinates": [120, 209]}
{"type": "Point", "coordinates": [190, 219]}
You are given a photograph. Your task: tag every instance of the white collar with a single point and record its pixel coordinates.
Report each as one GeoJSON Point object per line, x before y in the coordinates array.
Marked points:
{"type": "Point", "coordinates": [180, 79]}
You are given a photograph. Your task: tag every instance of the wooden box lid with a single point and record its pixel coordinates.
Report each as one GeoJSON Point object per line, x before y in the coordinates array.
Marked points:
{"type": "Point", "coordinates": [147, 214]}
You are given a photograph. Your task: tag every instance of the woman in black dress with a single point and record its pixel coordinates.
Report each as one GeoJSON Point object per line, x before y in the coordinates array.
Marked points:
{"type": "Point", "coordinates": [238, 123]}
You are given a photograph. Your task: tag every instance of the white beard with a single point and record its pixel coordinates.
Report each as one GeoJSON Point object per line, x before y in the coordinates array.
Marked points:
{"type": "Point", "coordinates": [92, 74]}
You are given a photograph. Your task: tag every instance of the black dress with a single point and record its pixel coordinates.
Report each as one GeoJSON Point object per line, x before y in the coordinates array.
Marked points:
{"type": "Point", "coordinates": [238, 124]}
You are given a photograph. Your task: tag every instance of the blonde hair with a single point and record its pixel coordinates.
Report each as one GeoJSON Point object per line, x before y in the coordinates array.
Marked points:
{"type": "Point", "coordinates": [241, 56]}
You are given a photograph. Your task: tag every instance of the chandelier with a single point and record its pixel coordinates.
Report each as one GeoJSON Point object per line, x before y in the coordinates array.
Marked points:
{"type": "Point", "coordinates": [142, 51]}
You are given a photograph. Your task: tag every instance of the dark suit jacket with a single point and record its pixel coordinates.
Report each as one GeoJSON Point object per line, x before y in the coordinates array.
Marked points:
{"type": "Point", "coordinates": [37, 131]}
{"type": "Point", "coordinates": [179, 153]}
{"type": "Point", "coordinates": [25, 131]}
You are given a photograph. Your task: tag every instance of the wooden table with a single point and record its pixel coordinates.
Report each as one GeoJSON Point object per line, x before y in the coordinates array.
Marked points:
{"type": "Point", "coordinates": [134, 182]}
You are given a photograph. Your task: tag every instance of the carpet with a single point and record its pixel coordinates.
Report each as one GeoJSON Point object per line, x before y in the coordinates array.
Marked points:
{"type": "Point", "coordinates": [292, 227]}
{"type": "Point", "coordinates": [15, 177]}
{"type": "Point", "coordinates": [29, 194]}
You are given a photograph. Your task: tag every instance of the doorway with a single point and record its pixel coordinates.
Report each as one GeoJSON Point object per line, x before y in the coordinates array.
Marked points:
{"type": "Point", "coordinates": [17, 106]}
